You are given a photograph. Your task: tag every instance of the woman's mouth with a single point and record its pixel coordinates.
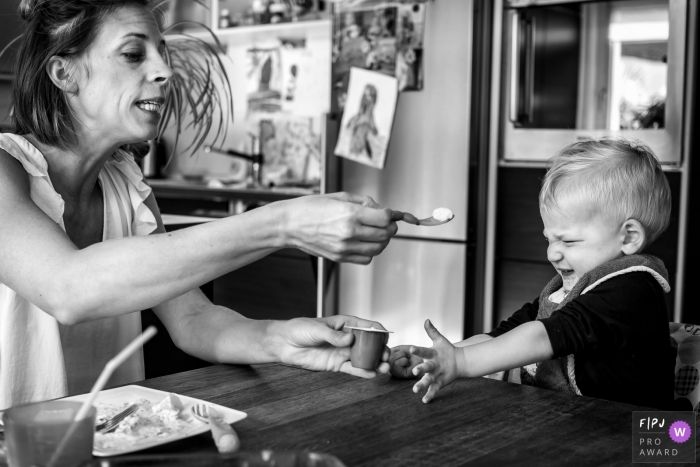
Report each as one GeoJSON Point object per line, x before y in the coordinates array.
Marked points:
{"type": "Point", "coordinates": [149, 106]}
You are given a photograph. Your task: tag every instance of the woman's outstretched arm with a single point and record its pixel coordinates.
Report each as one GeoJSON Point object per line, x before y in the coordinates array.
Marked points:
{"type": "Point", "coordinates": [39, 261]}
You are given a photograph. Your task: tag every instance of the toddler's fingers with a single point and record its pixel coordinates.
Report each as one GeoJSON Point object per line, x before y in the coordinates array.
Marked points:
{"type": "Point", "coordinates": [399, 357]}
{"type": "Point", "coordinates": [423, 352]}
{"type": "Point", "coordinates": [400, 362]}
{"type": "Point", "coordinates": [432, 391]}
{"type": "Point", "coordinates": [424, 368]}
{"type": "Point", "coordinates": [432, 331]}
{"type": "Point", "coordinates": [383, 368]}
{"type": "Point", "coordinates": [423, 384]}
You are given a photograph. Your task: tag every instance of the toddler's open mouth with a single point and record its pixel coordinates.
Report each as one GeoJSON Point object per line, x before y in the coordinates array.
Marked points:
{"type": "Point", "coordinates": [569, 278]}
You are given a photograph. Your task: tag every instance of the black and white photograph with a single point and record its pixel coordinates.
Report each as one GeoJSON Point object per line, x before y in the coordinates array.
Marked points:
{"type": "Point", "coordinates": [349, 233]}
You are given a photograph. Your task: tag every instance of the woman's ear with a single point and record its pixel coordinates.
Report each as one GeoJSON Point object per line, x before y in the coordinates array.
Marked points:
{"type": "Point", "coordinates": [634, 237]}
{"type": "Point", "coordinates": [60, 72]}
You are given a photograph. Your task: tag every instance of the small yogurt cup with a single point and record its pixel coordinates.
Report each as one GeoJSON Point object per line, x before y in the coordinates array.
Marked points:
{"type": "Point", "coordinates": [366, 351]}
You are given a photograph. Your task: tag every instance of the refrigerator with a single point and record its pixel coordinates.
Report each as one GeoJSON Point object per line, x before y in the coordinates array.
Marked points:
{"type": "Point", "coordinates": [422, 273]}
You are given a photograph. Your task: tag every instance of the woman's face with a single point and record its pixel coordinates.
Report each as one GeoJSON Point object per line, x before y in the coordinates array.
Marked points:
{"type": "Point", "coordinates": [121, 79]}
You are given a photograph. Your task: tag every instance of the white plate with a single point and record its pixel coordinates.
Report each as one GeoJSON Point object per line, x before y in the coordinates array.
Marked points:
{"type": "Point", "coordinates": [119, 396]}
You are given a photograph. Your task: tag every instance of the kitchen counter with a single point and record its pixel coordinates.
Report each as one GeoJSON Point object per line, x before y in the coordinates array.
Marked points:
{"type": "Point", "coordinates": [184, 189]}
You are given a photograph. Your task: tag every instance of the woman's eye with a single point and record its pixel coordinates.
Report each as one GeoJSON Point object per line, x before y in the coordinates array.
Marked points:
{"type": "Point", "coordinates": [133, 56]}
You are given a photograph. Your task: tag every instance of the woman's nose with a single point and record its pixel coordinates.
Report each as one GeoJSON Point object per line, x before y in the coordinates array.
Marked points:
{"type": "Point", "coordinates": [161, 72]}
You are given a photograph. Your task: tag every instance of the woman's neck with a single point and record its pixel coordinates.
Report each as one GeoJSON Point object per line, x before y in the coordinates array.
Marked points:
{"type": "Point", "coordinates": [74, 170]}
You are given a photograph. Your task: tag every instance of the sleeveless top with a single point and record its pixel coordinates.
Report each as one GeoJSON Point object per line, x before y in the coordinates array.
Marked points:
{"type": "Point", "coordinates": [40, 358]}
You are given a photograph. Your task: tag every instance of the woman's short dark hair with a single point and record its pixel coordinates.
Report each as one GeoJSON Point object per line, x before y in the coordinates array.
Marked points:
{"type": "Point", "coordinates": [63, 28]}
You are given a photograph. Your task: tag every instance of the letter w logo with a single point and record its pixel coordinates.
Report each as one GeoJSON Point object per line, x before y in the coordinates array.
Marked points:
{"type": "Point", "coordinates": [679, 431]}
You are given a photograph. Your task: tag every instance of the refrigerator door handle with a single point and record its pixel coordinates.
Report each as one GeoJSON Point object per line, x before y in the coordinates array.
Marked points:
{"type": "Point", "coordinates": [514, 65]}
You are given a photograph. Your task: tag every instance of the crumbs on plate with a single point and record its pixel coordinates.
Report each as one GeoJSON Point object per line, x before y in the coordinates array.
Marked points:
{"type": "Point", "coordinates": [153, 421]}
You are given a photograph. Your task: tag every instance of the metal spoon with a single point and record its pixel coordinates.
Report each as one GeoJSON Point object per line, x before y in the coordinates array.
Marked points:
{"type": "Point", "coordinates": [428, 221]}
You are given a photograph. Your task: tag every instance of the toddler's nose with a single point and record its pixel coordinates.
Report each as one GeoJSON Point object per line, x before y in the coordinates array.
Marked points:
{"type": "Point", "coordinates": [553, 254]}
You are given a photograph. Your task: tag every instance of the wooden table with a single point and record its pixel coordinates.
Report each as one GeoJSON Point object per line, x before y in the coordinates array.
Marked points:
{"type": "Point", "coordinates": [381, 422]}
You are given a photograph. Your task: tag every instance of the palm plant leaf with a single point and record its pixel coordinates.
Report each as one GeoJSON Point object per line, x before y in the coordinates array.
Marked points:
{"type": "Point", "coordinates": [199, 90]}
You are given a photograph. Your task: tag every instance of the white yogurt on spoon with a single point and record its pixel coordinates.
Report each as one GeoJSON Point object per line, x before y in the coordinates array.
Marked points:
{"type": "Point", "coordinates": [442, 214]}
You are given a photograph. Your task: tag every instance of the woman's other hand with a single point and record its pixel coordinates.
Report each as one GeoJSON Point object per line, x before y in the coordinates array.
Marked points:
{"type": "Point", "coordinates": [340, 227]}
{"type": "Point", "coordinates": [402, 362]}
{"type": "Point", "coordinates": [321, 344]}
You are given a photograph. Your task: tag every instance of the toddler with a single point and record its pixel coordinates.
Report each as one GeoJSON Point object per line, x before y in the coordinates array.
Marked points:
{"type": "Point", "coordinates": [600, 327]}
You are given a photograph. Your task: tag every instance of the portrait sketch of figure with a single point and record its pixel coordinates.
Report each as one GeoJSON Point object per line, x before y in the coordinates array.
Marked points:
{"type": "Point", "coordinates": [362, 124]}
{"type": "Point", "coordinates": [365, 128]}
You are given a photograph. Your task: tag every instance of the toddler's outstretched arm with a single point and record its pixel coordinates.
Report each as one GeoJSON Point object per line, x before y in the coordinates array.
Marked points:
{"type": "Point", "coordinates": [443, 363]}
{"type": "Point", "coordinates": [402, 361]}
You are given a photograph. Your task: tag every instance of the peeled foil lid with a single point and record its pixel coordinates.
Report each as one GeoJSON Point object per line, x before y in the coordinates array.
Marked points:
{"type": "Point", "coordinates": [367, 329]}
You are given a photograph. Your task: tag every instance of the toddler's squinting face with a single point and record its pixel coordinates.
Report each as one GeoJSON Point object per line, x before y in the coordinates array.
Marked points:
{"type": "Point", "coordinates": [580, 241]}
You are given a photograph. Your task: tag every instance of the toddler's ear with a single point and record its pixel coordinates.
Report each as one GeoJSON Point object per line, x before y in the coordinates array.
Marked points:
{"type": "Point", "coordinates": [635, 236]}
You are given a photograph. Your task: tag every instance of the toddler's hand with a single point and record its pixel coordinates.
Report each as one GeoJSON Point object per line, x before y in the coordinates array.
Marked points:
{"type": "Point", "coordinates": [440, 367]}
{"type": "Point", "coordinates": [402, 362]}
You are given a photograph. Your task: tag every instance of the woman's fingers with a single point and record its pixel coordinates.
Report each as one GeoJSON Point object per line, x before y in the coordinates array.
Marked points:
{"type": "Point", "coordinates": [335, 338]}
{"type": "Point", "coordinates": [397, 216]}
{"type": "Point", "coordinates": [353, 198]}
{"type": "Point", "coordinates": [383, 368]}
{"type": "Point", "coordinates": [364, 233]}
{"type": "Point", "coordinates": [337, 322]}
{"type": "Point", "coordinates": [359, 253]}
{"type": "Point", "coordinates": [377, 217]}
{"type": "Point", "coordinates": [347, 367]}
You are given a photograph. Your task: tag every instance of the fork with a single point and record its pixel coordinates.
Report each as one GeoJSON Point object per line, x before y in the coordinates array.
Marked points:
{"type": "Point", "coordinates": [112, 423]}
{"type": "Point", "coordinates": [225, 438]}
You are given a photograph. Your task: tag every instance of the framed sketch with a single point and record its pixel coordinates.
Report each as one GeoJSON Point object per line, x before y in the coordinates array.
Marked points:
{"type": "Point", "coordinates": [264, 79]}
{"type": "Point", "coordinates": [365, 128]}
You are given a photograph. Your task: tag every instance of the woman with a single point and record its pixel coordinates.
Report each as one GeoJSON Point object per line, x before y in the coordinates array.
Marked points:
{"type": "Point", "coordinates": [82, 244]}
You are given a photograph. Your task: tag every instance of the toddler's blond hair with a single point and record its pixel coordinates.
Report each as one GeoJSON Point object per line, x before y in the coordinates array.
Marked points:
{"type": "Point", "coordinates": [620, 178]}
